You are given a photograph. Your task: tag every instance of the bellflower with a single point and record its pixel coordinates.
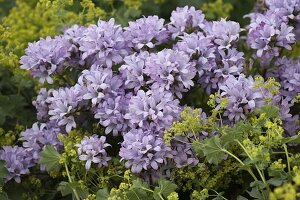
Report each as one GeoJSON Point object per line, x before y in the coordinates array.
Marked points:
{"type": "Point", "coordinates": [144, 151]}
{"type": "Point", "coordinates": [146, 32]}
{"type": "Point", "coordinates": [92, 150]}
{"type": "Point", "coordinates": [152, 109]}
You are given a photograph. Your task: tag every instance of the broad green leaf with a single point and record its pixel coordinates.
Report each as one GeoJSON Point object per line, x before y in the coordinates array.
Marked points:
{"type": "Point", "coordinates": [212, 150]}
{"type": "Point", "coordinates": [67, 188]}
{"type": "Point", "coordinates": [165, 188]}
{"type": "Point", "coordinates": [241, 198]}
{"type": "Point", "coordinates": [271, 111]}
{"type": "Point", "coordinates": [50, 158]}
{"type": "Point", "coordinates": [3, 170]}
{"type": "Point", "coordinates": [102, 194]}
{"type": "Point", "coordinates": [238, 132]}
{"type": "Point", "coordinates": [138, 194]}
{"type": "Point", "coordinates": [293, 139]}
{"type": "Point", "coordinates": [138, 191]}
{"type": "Point", "coordinates": [64, 188]}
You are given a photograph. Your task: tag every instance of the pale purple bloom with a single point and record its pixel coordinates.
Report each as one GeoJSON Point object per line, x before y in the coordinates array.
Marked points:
{"type": "Point", "coordinates": [183, 153]}
{"type": "Point", "coordinates": [18, 160]}
{"type": "Point", "coordinates": [133, 70]}
{"type": "Point", "coordinates": [170, 70]}
{"type": "Point", "coordinates": [64, 102]}
{"type": "Point", "coordinates": [146, 32]}
{"type": "Point", "coordinates": [92, 150]}
{"type": "Point", "coordinates": [95, 83]}
{"type": "Point", "coordinates": [46, 57]}
{"type": "Point", "coordinates": [185, 20]}
{"type": "Point", "coordinates": [104, 44]}
{"type": "Point", "coordinates": [143, 150]}
{"type": "Point", "coordinates": [153, 109]}
{"type": "Point", "coordinates": [289, 76]}
{"type": "Point", "coordinates": [111, 113]}
{"type": "Point", "coordinates": [224, 33]}
{"type": "Point", "coordinates": [242, 95]}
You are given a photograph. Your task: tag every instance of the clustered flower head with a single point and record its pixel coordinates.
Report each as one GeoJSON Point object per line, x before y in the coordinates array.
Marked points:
{"type": "Point", "coordinates": [92, 150]}
{"type": "Point", "coordinates": [273, 30]}
{"type": "Point", "coordinates": [243, 96]}
{"type": "Point", "coordinates": [132, 81]}
{"type": "Point", "coordinates": [142, 149]}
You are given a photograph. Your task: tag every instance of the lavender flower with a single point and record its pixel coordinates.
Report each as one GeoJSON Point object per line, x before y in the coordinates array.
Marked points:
{"type": "Point", "coordinates": [133, 70]}
{"type": "Point", "coordinates": [243, 97]}
{"type": "Point", "coordinates": [41, 104]}
{"type": "Point", "coordinates": [146, 32]}
{"type": "Point", "coordinates": [18, 160]}
{"type": "Point", "coordinates": [289, 76]}
{"type": "Point", "coordinates": [183, 154]}
{"type": "Point", "coordinates": [185, 20]}
{"type": "Point", "coordinates": [104, 44]}
{"type": "Point", "coordinates": [225, 33]}
{"type": "Point", "coordinates": [95, 83]}
{"type": "Point", "coordinates": [92, 150]}
{"type": "Point", "coordinates": [45, 57]}
{"type": "Point", "coordinates": [111, 113]}
{"type": "Point", "coordinates": [64, 102]}
{"type": "Point", "coordinates": [152, 109]}
{"type": "Point", "coordinates": [142, 150]}
{"type": "Point", "coordinates": [267, 34]}
{"type": "Point", "coordinates": [171, 71]}
{"type": "Point", "coordinates": [39, 136]}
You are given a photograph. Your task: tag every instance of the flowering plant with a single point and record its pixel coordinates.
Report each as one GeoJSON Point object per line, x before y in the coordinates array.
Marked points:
{"type": "Point", "coordinates": [116, 119]}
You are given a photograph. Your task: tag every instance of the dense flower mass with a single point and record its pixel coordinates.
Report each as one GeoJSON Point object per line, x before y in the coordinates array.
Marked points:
{"type": "Point", "coordinates": [133, 84]}
{"type": "Point", "coordinates": [143, 150]}
{"type": "Point", "coordinates": [92, 150]}
{"type": "Point", "coordinates": [18, 160]}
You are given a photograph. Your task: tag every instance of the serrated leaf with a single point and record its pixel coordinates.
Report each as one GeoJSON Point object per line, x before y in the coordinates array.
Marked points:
{"type": "Point", "coordinates": [165, 188]}
{"type": "Point", "coordinates": [50, 158]}
{"type": "Point", "coordinates": [212, 150]}
{"type": "Point", "coordinates": [271, 111]}
{"type": "Point", "coordinates": [137, 194]}
{"type": "Point", "coordinates": [67, 188]}
{"type": "Point", "coordinates": [102, 194]}
{"type": "Point", "coordinates": [238, 132]}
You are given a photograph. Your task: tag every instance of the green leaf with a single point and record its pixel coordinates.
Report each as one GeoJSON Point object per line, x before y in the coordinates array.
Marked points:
{"type": "Point", "coordinates": [138, 194]}
{"type": "Point", "coordinates": [165, 188]}
{"type": "Point", "coordinates": [50, 158]}
{"type": "Point", "coordinates": [241, 198]}
{"type": "Point", "coordinates": [293, 139]}
{"type": "Point", "coordinates": [67, 188]}
{"type": "Point", "coordinates": [212, 150]}
{"type": "Point", "coordinates": [3, 170]}
{"type": "Point", "coordinates": [64, 188]}
{"type": "Point", "coordinates": [238, 132]}
{"type": "Point", "coordinates": [102, 194]}
{"type": "Point", "coordinates": [271, 111]}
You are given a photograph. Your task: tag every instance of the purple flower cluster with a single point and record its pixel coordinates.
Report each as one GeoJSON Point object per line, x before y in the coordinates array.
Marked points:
{"type": "Point", "coordinates": [242, 95]}
{"type": "Point", "coordinates": [273, 30]}
{"type": "Point", "coordinates": [131, 81]}
{"type": "Point", "coordinates": [142, 149]}
{"type": "Point", "coordinates": [92, 150]}
{"type": "Point", "coordinates": [18, 160]}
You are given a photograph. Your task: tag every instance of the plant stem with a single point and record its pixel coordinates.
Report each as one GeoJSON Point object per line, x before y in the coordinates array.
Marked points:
{"type": "Point", "coordinates": [249, 170]}
{"type": "Point", "coordinates": [287, 157]}
{"type": "Point", "coordinates": [70, 180]}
